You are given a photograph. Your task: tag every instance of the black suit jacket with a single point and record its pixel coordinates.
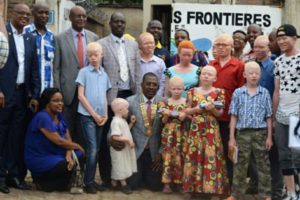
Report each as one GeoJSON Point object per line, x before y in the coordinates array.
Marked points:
{"type": "Point", "coordinates": [8, 75]}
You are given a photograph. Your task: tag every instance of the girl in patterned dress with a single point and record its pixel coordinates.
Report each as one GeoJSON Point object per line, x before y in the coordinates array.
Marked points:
{"type": "Point", "coordinates": [173, 116]}
{"type": "Point", "coordinates": [204, 163]}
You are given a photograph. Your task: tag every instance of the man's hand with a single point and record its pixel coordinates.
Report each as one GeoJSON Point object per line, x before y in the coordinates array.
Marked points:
{"type": "Point", "coordinates": [33, 105]}
{"type": "Point", "coordinates": [157, 163]}
{"type": "Point", "coordinates": [2, 100]}
{"type": "Point", "coordinates": [269, 143]}
{"type": "Point", "coordinates": [232, 142]}
{"type": "Point", "coordinates": [117, 145]}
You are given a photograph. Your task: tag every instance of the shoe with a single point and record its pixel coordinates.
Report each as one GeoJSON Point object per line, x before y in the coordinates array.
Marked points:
{"type": "Point", "coordinates": [16, 183]}
{"type": "Point", "coordinates": [4, 188]}
{"type": "Point", "coordinates": [126, 189]}
{"type": "Point", "coordinates": [167, 189]}
{"type": "Point", "coordinates": [99, 187]}
{"type": "Point", "coordinates": [90, 189]}
{"type": "Point", "coordinates": [290, 198]}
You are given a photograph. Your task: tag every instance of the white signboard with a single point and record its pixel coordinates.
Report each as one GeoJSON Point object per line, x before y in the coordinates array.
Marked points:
{"type": "Point", "coordinates": [206, 21]}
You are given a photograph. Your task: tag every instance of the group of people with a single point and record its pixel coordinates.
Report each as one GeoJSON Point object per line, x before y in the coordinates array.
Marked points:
{"type": "Point", "coordinates": [145, 117]}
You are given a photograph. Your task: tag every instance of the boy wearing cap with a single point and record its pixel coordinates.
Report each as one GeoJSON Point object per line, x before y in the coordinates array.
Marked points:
{"type": "Point", "coordinates": [286, 100]}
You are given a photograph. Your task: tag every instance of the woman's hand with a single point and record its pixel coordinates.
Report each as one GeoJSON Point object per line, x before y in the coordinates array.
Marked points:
{"type": "Point", "coordinates": [209, 106]}
{"type": "Point", "coordinates": [80, 148]}
{"type": "Point", "coordinates": [182, 116]}
{"type": "Point", "coordinates": [69, 160]}
{"type": "Point", "coordinates": [166, 112]}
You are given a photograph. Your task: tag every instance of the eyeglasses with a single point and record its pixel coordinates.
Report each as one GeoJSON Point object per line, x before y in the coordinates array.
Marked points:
{"type": "Point", "coordinates": [221, 45]}
{"type": "Point", "coordinates": [57, 101]}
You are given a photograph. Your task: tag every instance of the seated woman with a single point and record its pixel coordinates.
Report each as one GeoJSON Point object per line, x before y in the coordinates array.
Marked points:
{"type": "Point", "coordinates": [185, 69]}
{"type": "Point", "coordinates": [48, 145]}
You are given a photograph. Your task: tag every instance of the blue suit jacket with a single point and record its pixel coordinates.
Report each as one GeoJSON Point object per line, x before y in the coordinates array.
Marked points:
{"type": "Point", "coordinates": [8, 75]}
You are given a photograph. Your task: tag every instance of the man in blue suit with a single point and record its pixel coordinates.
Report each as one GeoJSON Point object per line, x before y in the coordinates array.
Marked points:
{"type": "Point", "coordinates": [19, 90]}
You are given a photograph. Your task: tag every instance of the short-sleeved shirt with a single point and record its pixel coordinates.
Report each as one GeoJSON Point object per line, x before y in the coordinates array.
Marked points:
{"type": "Point", "coordinates": [3, 49]}
{"type": "Point", "coordinates": [229, 78]}
{"type": "Point", "coordinates": [157, 66]}
{"type": "Point", "coordinates": [287, 71]}
{"type": "Point", "coordinates": [96, 84]}
{"type": "Point", "coordinates": [251, 111]}
{"type": "Point", "coordinates": [267, 79]}
{"type": "Point", "coordinates": [41, 155]}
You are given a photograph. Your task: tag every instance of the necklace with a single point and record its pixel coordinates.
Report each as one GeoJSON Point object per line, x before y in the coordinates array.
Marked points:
{"type": "Point", "coordinates": [147, 122]}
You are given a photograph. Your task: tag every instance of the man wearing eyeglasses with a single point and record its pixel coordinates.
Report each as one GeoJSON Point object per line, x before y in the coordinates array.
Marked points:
{"type": "Point", "coordinates": [19, 90]}
{"type": "Point", "coordinates": [229, 77]}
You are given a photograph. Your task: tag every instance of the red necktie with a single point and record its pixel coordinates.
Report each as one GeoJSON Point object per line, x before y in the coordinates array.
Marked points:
{"type": "Point", "coordinates": [80, 53]}
{"type": "Point", "coordinates": [149, 111]}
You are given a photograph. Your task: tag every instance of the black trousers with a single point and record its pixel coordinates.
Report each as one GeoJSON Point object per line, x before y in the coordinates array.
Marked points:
{"type": "Point", "coordinates": [56, 179]}
{"type": "Point", "coordinates": [145, 175]}
{"type": "Point", "coordinates": [12, 133]}
{"type": "Point", "coordinates": [224, 132]}
{"type": "Point", "coordinates": [104, 154]}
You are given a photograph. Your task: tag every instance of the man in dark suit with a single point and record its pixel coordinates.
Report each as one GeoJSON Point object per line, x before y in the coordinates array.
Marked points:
{"type": "Point", "coordinates": [121, 61]}
{"type": "Point", "coordinates": [70, 57]}
{"type": "Point", "coordinates": [19, 90]}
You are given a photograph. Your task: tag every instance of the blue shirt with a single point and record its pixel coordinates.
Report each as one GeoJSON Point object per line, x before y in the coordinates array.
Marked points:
{"type": "Point", "coordinates": [267, 79]}
{"type": "Point", "coordinates": [251, 111]}
{"type": "Point", "coordinates": [96, 84]}
{"type": "Point", "coordinates": [157, 66]}
{"type": "Point", "coordinates": [42, 155]}
{"type": "Point", "coordinates": [45, 50]}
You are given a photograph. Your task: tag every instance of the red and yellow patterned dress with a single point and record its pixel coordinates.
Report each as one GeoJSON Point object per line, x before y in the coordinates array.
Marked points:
{"type": "Point", "coordinates": [204, 163]}
{"type": "Point", "coordinates": [171, 145]}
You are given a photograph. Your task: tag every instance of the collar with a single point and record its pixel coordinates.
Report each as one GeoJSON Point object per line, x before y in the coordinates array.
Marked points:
{"type": "Point", "coordinates": [146, 99]}
{"type": "Point", "coordinates": [14, 30]}
{"type": "Point", "coordinates": [92, 68]}
{"type": "Point", "coordinates": [117, 39]}
{"type": "Point", "coordinates": [74, 33]}
{"type": "Point", "coordinates": [265, 62]}
{"type": "Point", "coordinates": [152, 59]}
{"type": "Point", "coordinates": [32, 28]}
{"type": "Point", "coordinates": [158, 45]}
{"type": "Point", "coordinates": [245, 91]}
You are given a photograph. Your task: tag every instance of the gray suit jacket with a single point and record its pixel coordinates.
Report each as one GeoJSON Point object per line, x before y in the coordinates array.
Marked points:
{"type": "Point", "coordinates": [111, 65]}
{"type": "Point", "coordinates": [66, 64]}
{"type": "Point", "coordinates": [139, 129]}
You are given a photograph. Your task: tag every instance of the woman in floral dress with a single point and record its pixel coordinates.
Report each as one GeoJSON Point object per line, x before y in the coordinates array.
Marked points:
{"type": "Point", "coordinates": [204, 163]}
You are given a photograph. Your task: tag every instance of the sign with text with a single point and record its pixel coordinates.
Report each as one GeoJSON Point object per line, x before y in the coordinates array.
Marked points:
{"type": "Point", "coordinates": [206, 21]}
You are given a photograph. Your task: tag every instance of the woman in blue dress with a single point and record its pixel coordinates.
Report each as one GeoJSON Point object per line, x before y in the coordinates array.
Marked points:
{"type": "Point", "coordinates": [48, 145]}
{"type": "Point", "coordinates": [187, 71]}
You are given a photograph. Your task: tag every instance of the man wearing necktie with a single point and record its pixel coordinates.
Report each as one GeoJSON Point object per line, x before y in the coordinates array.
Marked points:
{"type": "Point", "coordinates": [70, 56]}
{"type": "Point", "coordinates": [121, 61]}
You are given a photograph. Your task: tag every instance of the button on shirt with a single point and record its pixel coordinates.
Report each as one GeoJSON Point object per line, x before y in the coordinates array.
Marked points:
{"type": "Point", "coordinates": [157, 66]}
{"type": "Point", "coordinates": [96, 84]}
{"type": "Point", "coordinates": [45, 50]}
{"type": "Point", "coordinates": [251, 111]}
{"type": "Point", "coordinates": [19, 42]}
{"type": "Point", "coordinates": [75, 39]}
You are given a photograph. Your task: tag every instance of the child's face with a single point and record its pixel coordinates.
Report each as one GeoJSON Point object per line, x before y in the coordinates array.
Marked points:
{"type": "Point", "coordinates": [207, 76]}
{"type": "Point", "coordinates": [252, 75]}
{"type": "Point", "coordinates": [94, 57]}
{"type": "Point", "coordinates": [124, 111]}
{"type": "Point", "coordinates": [176, 90]}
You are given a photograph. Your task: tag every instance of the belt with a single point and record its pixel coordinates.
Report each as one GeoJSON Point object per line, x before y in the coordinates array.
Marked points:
{"type": "Point", "coordinates": [20, 86]}
{"type": "Point", "coordinates": [252, 129]}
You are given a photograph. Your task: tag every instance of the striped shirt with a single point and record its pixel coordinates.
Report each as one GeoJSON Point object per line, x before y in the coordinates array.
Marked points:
{"type": "Point", "coordinates": [3, 50]}
{"type": "Point", "coordinates": [251, 111]}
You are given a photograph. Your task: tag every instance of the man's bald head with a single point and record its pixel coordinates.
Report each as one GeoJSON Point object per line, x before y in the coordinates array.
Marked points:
{"type": "Point", "coordinates": [78, 18]}
{"type": "Point", "coordinates": [20, 16]}
{"type": "Point", "coordinates": [224, 38]}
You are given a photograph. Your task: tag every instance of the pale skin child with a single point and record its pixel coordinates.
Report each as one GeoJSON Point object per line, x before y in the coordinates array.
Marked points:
{"type": "Point", "coordinates": [120, 109]}
{"type": "Point", "coordinates": [207, 77]}
{"type": "Point", "coordinates": [176, 87]}
{"type": "Point", "coordinates": [94, 56]}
